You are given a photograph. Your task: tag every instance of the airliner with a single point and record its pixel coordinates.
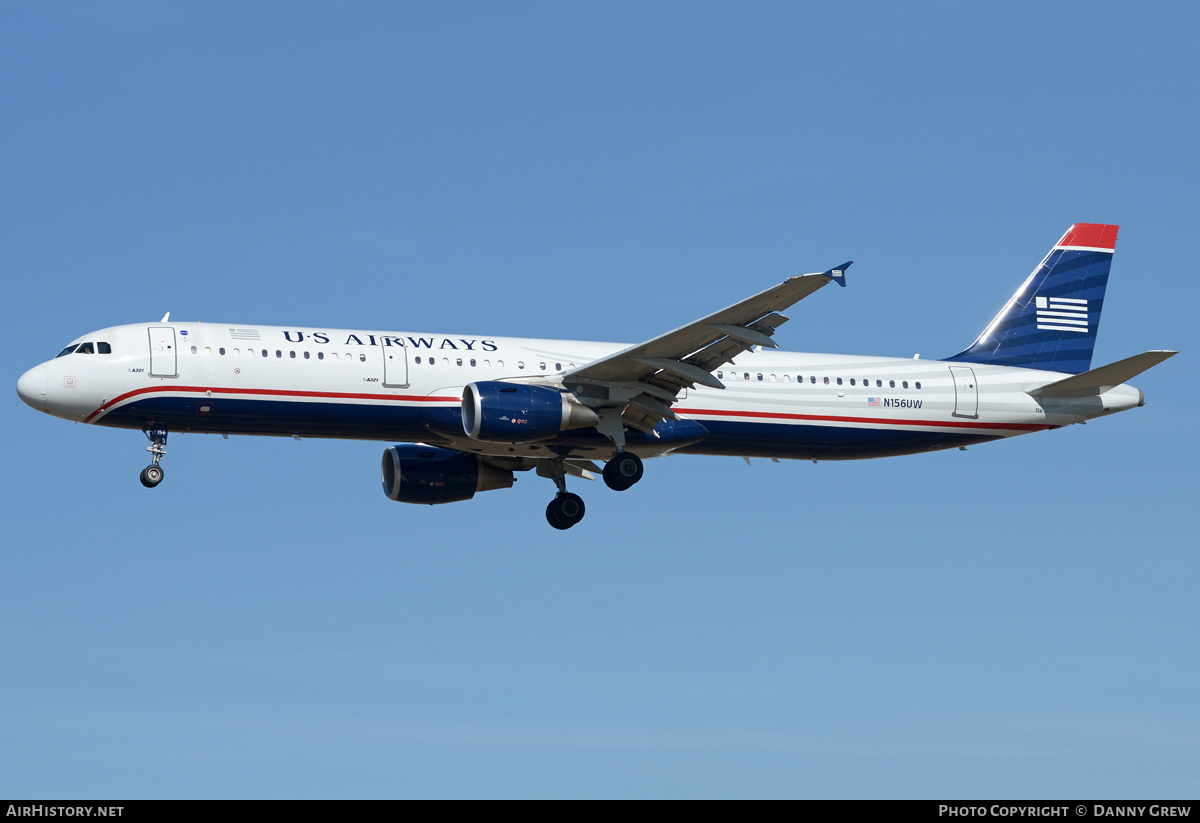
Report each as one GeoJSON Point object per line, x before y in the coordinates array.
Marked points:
{"type": "Point", "coordinates": [466, 412]}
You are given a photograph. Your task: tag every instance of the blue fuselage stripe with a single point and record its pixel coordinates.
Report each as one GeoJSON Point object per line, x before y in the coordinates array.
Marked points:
{"type": "Point", "coordinates": [400, 423]}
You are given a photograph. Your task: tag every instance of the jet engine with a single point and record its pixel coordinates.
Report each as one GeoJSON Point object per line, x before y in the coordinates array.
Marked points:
{"type": "Point", "coordinates": [425, 474]}
{"type": "Point", "coordinates": [520, 413]}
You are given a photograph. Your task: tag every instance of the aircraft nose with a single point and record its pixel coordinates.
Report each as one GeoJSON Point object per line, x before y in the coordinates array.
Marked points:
{"type": "Point", "coordinates": [31, 386]}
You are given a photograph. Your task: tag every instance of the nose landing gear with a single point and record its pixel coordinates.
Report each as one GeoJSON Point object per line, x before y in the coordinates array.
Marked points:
{"type": "Point", "coordinates": [152, 475]}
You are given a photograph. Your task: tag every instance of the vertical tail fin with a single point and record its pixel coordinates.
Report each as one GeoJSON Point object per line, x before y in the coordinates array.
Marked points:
{"type": "Point", "coordinates": [1052, 320]}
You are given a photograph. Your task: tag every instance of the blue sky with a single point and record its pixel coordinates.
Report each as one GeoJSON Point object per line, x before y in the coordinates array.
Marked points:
{"type": "Point", "coordinates": [1019, 620]}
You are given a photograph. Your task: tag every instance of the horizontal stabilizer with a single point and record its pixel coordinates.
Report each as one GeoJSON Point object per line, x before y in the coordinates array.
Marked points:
{"type": "Point", "coordinates": [1098, 381]}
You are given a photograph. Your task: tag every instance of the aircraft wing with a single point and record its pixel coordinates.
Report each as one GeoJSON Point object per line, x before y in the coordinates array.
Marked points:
{"type": "Point", "coordinates": [648, 377]}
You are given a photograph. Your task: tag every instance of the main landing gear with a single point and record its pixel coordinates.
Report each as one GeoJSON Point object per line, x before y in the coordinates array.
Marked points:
{"type": "Point", "coordinates": [625, 468]}
{"type": "Point", "coordinates": [152, 475]}
{"type": "Point", "coordinates": [566, 509]}
{"type": "Point", "coordinates": [622, 471]}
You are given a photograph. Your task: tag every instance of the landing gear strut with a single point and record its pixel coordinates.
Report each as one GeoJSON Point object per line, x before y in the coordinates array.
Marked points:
{"type": "Point", "coordinates": [623, 471]}
{"type": "Point", "coordinates": [566, 509]}
{"type": "Point", "coordinates": [152, 475]}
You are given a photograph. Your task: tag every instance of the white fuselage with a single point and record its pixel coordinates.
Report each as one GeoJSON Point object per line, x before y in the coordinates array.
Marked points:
{"type": "Point", "coordinates": [402, 386]}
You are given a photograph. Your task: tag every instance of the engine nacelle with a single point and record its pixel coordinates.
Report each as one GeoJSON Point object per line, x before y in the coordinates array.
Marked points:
{"type": "Point", "coordinates": [425, 474]}
{"type": "Point", "coordinates": [520, 413]}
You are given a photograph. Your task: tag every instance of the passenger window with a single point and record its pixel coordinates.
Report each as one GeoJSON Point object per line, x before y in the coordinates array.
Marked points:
{"type": "Point", "coordinates": [221, 351]}
{"type": "Point", "coordinates": [826, 381]}
{"type": "Point", "coordinates": [918, 384]}
{"type": "Point", "coordinates": [746, 375]}
{"type": "Point", "coordinates": [237, 352]}
{"type": "Point", "coordinates": [458, 361]}
{"type": "Point", "coordinates": [418, 360]}
{"type": "Point", "coordinates": [193, 349]}
{"type": "Point", "coordinates": [905, 384]}
{"type": "Point", "coordinates": [812, 379]}
{"type": "Point", "coordinates": [879, 384]}
{"type": "Point", "coordinates": [851, 381]}
{"type": "Point", "coordinates": [541, 366]}
{"type": "Point", "coordinates": [720, 375]}
{"type": "Point", "coordinates": [839, 381]}
{"type": "Point", "coordinates": [520, 364]}
{"type": "Point", "coordinates": [472, 362]}
{"type": "Point", "coordinates": [892, 384]}
{"type": "Point", "coordinates": [292, 354]}
{"type": "Point", "coordinates": [558, 366]}
{"type": "Point", "coordinates": [307, 355]}
{"type": "Point", "coordinates": [278, 353]}
{"type": "Point", "coordinates": [362, 358]}
{"type": "Point", "coordinates": [760, 377]}
{"type": "Point", "coordinates": [499, 364]}
{"type": "Point", "coordinates": [320, 355]}
{"type": "Point", "coordinates": [265, 353]}
{"type": "Point", "coordinates": [208, 350]}
{"type": "Point", "coordinates": [103, 348]}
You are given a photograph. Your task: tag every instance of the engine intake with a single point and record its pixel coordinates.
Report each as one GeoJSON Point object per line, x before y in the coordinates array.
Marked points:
{"type": "Point", "coordinates": [498, 412]}
{"type": "Point", "coordinates": [426, 474]}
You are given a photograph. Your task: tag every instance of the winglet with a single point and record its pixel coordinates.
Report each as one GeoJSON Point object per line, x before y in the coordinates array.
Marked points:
{"type": "Point", "coordinates": [838, 275]}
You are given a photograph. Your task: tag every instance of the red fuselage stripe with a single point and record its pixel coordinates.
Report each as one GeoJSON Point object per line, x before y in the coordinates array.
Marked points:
{"type": "Point", "coordinates": [957, 424]}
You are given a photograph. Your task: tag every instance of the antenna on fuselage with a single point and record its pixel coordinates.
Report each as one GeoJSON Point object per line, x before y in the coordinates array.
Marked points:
{"type": "Point", "coordinates": [166, 317]}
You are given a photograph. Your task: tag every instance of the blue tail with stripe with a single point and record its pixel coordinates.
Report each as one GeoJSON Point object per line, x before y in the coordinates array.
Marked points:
{"type": "Point", "coordinates": [1052, 320]}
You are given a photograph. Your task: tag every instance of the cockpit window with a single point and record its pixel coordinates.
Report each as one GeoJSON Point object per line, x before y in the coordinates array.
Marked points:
{"type": "Point", "coordinates": [66, 351]}
{"type": "Point", "coordinates": [103, 348]}
{"type": "Point", "coordinates": [85, 348]}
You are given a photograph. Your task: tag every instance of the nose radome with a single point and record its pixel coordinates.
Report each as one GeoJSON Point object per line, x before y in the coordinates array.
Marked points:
{"type": "Point", "coordinates": [31, 386]}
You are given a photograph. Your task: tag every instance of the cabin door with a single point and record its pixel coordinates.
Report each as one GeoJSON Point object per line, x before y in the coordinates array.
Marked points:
{"type": "Point", "coordinates": [966, 392]}
{"type": "Point", "coordinates": [395, 366]}
{"type": "Point", "coordinates": [163, 354]}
